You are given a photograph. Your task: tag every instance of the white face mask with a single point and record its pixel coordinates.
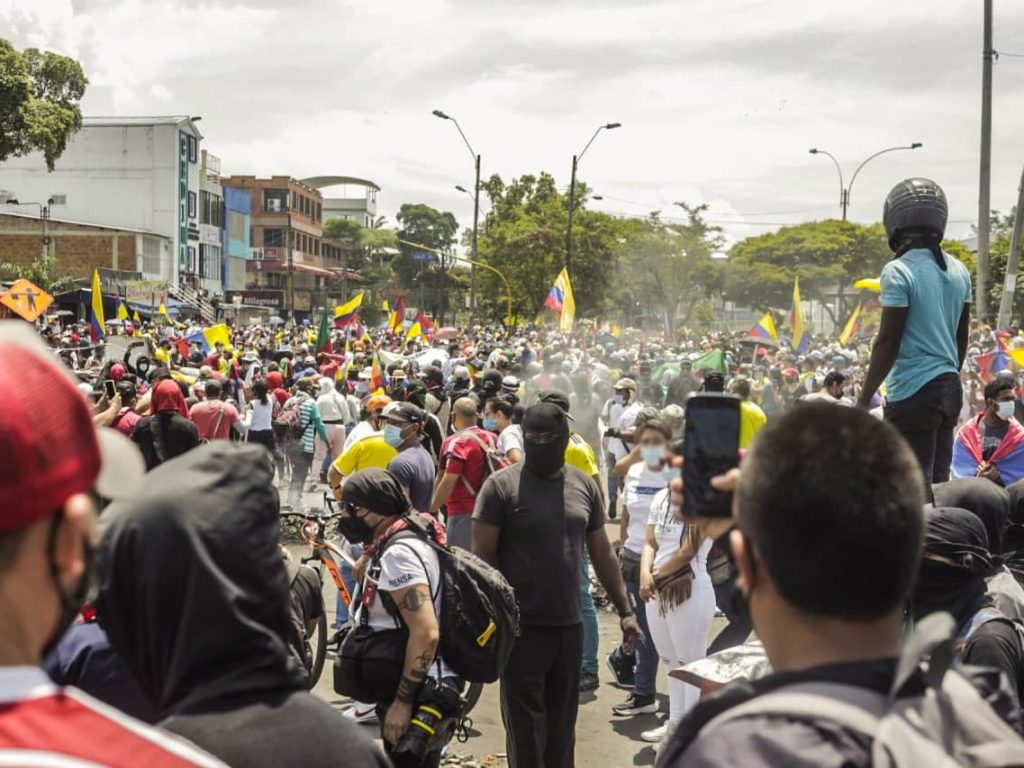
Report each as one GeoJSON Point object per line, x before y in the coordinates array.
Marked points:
{"type": "Point", "coordinates": [652, 455]}
{"type": "Point", "coordinates": [1005, 409]}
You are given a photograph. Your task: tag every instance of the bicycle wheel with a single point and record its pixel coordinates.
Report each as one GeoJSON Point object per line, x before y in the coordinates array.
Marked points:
{"type": "Point", "coordinates": [471, 697]}
{"type": "Point", "coordinates": [318, 646]}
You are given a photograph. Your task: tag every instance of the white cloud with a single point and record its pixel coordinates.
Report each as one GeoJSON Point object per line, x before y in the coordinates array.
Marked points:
{"type": "Point", "coordinates": [719, 101]}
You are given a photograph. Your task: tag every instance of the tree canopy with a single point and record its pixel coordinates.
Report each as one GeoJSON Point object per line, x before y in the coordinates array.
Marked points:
{"type": "Point", "coordinates": [40, 95]}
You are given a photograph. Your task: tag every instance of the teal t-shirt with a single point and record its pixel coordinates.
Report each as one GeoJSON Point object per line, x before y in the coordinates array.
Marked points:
{"type": "Point", "coordinates": [936, 300]}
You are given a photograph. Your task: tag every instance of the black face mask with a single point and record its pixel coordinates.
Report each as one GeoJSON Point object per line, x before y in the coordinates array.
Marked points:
{"type": "Point", "coordinates": [945, 587]}
{"type": "Point", "coordinates": [355, 529]}
{"type": "Point", "coordinates": [70, 604]}
{"type": "Point", "coordinates": [546, 459]}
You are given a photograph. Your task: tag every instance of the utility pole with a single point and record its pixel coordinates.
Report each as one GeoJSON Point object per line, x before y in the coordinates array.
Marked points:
{"type": "Point", "coordinates": [1012, 262]}
{"type": "Point", "coordinates": [985, 175]}
{"type": "Point", "coordinates": [571, 204]}
{"type": "Point", "coordinates": [472, 267]}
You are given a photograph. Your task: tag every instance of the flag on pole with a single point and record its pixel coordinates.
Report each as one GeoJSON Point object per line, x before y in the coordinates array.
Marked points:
{"type": "Point", "coordinates": [851, 327]}
{"type": "Point", "coordinates": [122, 310]}
{"type": "Point", "coordinates": [97, 325]}
{"type": "Point", "coordinates": [990, 364]}
{"type": "Point", "coordinates": [561, 300]}
{"type": "Point", "coordinates": [346, 313]}
{"type": "Point", "coordinates": [765, 328]}
{"type": "Point", "coordinates": [135, 318]}
{"type": "Point", "coordinates": [162, 310]}
{"type": "Point", "coordinates": [420, 326]}
{"type": "Point", "coordinates": [801, 341]}
{"type": "Point", "coordinates": [397, 318]}
{"type": "Point", "coordinates": [323, 334]}
{"type": "Point", "coordinates": [378, 379]}
{"type": "Point", "coordinates": [344, 368]}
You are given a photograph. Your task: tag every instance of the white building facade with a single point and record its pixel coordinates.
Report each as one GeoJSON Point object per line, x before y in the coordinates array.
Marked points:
{"type": "Point", "coordinates": [142, 173]}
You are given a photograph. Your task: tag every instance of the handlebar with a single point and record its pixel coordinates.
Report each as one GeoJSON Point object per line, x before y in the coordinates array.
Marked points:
{"type": "Point", "coordinates": [307, 516]}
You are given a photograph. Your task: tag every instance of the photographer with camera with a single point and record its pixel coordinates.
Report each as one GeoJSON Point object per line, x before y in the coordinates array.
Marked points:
{"type": "Point", "coordinates": [392, 656]}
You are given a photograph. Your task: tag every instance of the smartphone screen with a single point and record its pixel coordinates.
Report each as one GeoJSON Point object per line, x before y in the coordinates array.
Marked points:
{"type": "Point", "coordinates": [110, 388]}
{"type": "Point", "coordinates": [710, 448]}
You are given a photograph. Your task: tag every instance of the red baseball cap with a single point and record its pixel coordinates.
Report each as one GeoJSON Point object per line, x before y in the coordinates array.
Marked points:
{"type": "Point", "coordinates": [49, 448]}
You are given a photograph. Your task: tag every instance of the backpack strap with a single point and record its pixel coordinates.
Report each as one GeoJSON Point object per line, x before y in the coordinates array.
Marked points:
{"type": "Point", "coordinates": [485, 448]}
{"type": "Point", "coordinates": [397, 539]}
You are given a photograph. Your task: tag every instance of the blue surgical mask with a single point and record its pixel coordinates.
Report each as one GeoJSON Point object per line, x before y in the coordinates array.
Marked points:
{"type": "Point", "coordinates": [1006, 408]}
{"type": "Point", "coordinates": [652, 455]}
{"type": "Point", "coordinates": [619, 400]}
{"type": "Point", "coordinates": [392, 435]}
{"type": "Point", "coordinates": [490, 424]}
{"type": "Point", "coordinates": [671, 473]}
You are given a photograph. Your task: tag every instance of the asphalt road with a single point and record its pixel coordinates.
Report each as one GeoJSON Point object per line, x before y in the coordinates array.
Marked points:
{"type": "Point", "coordinates": [602, 740]}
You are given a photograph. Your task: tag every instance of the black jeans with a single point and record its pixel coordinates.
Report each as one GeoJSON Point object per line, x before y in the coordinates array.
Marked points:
{"type": "Point", "coordinates": [540, 696]}
{"type": "Point", "coordinates": [927, 419]}
{"type": "Point", "coordinates": [739, 627]}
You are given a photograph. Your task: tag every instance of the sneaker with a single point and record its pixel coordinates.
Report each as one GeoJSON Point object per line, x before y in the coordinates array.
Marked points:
{"type": "Point", "coordinates": [588, 681]}
{"type": "Point", "coordinates": [613, 512]}
{"type": "Point", "coordinates": [362, 713]}
{"type": "Point", "coordinates": [636, 704]}
{"type": "Point", "coordinates": [656, 735]}
{"type": "Point", "coordinates": [623, 667]}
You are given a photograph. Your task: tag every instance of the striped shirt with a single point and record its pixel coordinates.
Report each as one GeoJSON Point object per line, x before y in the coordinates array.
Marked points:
{"type": "Point", "coordinates": [44, 725]}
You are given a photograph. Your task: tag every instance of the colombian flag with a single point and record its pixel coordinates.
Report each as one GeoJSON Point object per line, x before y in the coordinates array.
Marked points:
{"type": "Point", "coordinates": [765, 328]}
{"type": "Point", "coordinates": [97, 325]}
{"type": "Point", "coordinates": [852, 326]}
{"type": "Point", "coordinates": [420, 327]}
{"type": "Point", "coordinates": [122, 310]}
{"type": "Point", "coordinates": [397, 317]}
{"type": "Point", "coordinates": [990, 364]}
{"type": "Point", "coordinates": [561, 300]}
{"type": "Point", "coordinates": [801, 341]}
{"type": "Point", "coordinates": [209, 338]}
{"type": "Point", "coordinates": [346, 313]}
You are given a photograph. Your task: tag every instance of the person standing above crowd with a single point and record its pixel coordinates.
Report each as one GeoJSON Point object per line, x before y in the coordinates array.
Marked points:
{"type": "Point", "coordinates": [463, 458]}
{"type": "Point", "coordinates": [922, 336]}
{"type": "Point", "coordinates": [47, 537]}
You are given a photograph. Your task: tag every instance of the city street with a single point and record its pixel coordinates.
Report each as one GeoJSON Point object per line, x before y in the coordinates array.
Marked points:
{"type": "Point", "coordinates": [601, 739]}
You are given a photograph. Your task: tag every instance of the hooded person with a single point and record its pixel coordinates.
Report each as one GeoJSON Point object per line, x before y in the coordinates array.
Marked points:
{"type": "Point", "coordinates": [951, 578]}
{"type": "Point", "coordinates": [167, 432]}
{"type": "Point", "coordinates": [334, 413]}
{"type": "Point", "coordinates": [194, 596]}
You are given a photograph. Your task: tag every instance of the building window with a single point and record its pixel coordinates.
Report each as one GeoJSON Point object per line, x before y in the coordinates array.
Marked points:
{"type": "Point", "coordinates": [209, 261]}
{"type": "Point", "coordinates": [193, 149]}
{"type": "Point", "coordinates": [273, 238]}
{"type": "Point", "coordinates": [275, 200]}
{"type": "Point", "coordinates": [191, 205]}
{"type": "Point", "coordinates": [151, 255]}
{"type": "Point", "coordinates": [192, 259]}
{"type": "Point", "coordinates": [211, 209]}
{"type": "Point", "coordinates": [236, 226]}
{"type": "Point", "coordinates": [319, 211]}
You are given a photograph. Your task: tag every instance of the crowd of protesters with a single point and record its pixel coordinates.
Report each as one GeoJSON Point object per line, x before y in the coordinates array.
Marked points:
{"type": "Point", "coordinates": [176, 607]}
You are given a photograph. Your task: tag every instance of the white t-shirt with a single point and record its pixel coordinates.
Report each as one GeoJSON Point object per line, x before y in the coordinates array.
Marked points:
{"type": "Point", "coordinates": [624, 423]}
{"type": "Point", "coordinates": [400, 567]}
{"type": "Point", "coordinates": [668, 535]}
{"type": "Point", "coordinates": [642, 485]}
{"type": "Point", "coordinates": [511, 437]}
{"type": "Point", "coordinates": [262, 414]}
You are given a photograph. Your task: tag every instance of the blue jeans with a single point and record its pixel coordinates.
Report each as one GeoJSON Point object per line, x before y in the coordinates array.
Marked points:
{"type": "Point", "coordinates": [613, 482]}
{"type": "Point", "coordinates": [341, 610]}
{"type": "Point", "coordinates": [589, 616]}
{"type": "Point", "coordinates": [646, 674]}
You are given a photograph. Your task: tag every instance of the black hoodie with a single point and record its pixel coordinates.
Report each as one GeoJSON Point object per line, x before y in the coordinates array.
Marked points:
{"type": "Point", "coordinates": [193, 594]}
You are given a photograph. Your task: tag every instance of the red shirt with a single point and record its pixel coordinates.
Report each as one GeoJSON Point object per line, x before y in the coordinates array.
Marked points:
{"type": "Point", "coordinates": [205, 415]}
{"type": "Point", "coordinates": [462, 455]}
{"type": "Point", "coordinates": [41, 724]}
{"type": "Point", "coordinates": [125, 421]}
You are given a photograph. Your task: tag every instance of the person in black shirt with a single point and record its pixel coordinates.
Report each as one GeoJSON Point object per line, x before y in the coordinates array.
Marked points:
{"type": "Point", "coordinates": [167, 432]}
{"type": "Point", "coordinates": [532, 521]}
{"type": "Point", "coordinates": [193, 593]}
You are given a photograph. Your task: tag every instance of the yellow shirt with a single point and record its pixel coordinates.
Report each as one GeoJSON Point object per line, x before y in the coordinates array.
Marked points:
{"type": "Point", "coordinates": [579, 454]}
{"type": "Point", "coordinates": [752, 419]}
{"type": "Point", "coordinates": [369, 452]}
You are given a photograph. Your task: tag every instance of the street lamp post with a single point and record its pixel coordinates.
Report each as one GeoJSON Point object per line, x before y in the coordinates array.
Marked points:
{"type": "Point", "coordinates": [44, 217]}
{"type": "Point", "coordinates": [844, 191]}
{"type": "Point", "coordinates": [571, 202]}
{"type": "Point", "coordinates": [476, 212]}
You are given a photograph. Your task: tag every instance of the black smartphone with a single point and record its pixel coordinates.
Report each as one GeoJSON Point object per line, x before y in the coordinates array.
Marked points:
{"type": "Point", "coordinates": [710, 447]}
{"type": "Point", "coordinates": [110, 388]}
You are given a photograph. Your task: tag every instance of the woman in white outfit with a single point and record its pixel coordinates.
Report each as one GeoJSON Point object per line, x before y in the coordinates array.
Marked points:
{"type": "Point", "coordinates": [680, 601]}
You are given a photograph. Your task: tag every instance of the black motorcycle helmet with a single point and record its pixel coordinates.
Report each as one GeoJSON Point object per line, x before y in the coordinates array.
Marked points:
{"type": "Point", "coordinates": [914, 208]}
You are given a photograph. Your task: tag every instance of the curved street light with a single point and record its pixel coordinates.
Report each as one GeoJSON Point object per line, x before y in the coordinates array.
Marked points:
{"type": "Point", "coordinates": [844, 191]}
{"type": "Point", "coordinates": [571, 203]}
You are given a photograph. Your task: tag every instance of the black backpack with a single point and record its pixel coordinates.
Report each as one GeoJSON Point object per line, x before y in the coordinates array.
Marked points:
{"type": "Point", "coordinates": [479, 610]}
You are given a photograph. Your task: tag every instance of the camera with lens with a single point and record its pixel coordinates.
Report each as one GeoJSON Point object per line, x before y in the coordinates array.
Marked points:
{"type": "Point", "coordinates": [434, 720]}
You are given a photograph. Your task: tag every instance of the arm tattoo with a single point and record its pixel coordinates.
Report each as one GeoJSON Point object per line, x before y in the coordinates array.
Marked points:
{"type": "Point", "coordinates": [422, 665]}
{"type": "Point", "coordinates": [407, 690]}
{"type": "Point", "coordinates": [414, 600]}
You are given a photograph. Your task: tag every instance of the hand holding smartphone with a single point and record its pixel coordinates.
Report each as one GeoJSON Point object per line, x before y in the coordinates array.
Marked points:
{"type": "Point", "coordinates": [710, 448]}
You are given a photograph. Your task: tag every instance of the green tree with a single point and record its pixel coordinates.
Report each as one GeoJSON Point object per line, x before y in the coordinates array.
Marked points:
{"type": "Point", "coordinates": [40, 93]}
{"type": "Point", "coordinates": [523, 235]}
{"type": "Point", "coordinates": [666, 269]}
{"type": "Point", "coordinates": [42, 272]}
{"type": "Point", "coordinates": [825, 255]}
{"type": "Point", "coordinates": [419, 270]}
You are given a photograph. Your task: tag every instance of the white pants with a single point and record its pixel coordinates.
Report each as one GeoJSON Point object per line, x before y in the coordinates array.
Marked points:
{"type": "Point", "coordinates": [336, 432]}
{"type": "Point", "coordinates": [680, 637]}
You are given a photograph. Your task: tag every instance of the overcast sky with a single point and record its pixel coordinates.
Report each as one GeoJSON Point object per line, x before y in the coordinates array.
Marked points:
{"type": "Point", "coordinates": [720, 100]}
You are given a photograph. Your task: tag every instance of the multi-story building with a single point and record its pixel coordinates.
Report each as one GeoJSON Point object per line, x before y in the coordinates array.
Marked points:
{"type": "Point", "coordinates": [287, 249]}
{"type": "Point", "coordinates": [206, 240]}
{"type": "Point", "coordinates": [237, 233]}
{"type": "Point", "coordinates": [361, 207]}
{"type": "Point", "coordinates": [131, 173]}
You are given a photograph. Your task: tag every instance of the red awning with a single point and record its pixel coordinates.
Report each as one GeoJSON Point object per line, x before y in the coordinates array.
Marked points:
{"type": "Point", "coordinates": [277, 266]}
